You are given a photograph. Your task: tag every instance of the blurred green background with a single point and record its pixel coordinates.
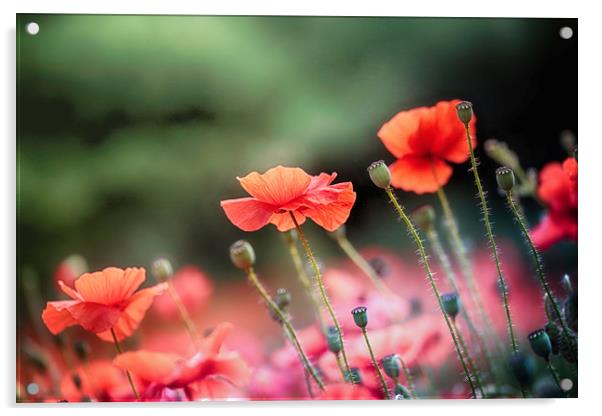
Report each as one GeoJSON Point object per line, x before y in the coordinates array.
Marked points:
{"type": "Point", "coordinates": [131, 129]}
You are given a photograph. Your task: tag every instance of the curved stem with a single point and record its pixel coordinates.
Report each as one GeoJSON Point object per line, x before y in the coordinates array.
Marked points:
{"type": "Point", "coordinates": [340, 365]}
{"type": "Point", "coordinates": [314, 264]}
{"type": "Point", "coordinates": [184, 315]}
{"type": "Point", "coordinates": [305, 372]}
{"type": "Point", "coordinates": [471, 363]}
{"type": "Point", "coordinates": [492, 243]}
{"type": "Point", "coordinates": [361, 263]}
{"type": "Point", "coordinates": [425, 264]}
{"type": "Point", "coordinates": [409, 378]}
{"type": "Point", "coordinates": [127, 372]}
{"type": "Point", "coordinates": [309, 290]}
{"type": "Point", "coordinates": [376, 367]}
{"type": "Point", "coordinates": [287, 324]}
{"type": "Point", "coordinates": [540, 273]}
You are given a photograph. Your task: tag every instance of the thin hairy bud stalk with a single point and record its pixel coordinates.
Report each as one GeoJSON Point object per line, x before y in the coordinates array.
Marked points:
{"type": "Point", "coordinates": [383, 383]}
{"type": "Point", "coordinates": [127, 372]}
{"type": "Point", "coordinates": [471, 363]}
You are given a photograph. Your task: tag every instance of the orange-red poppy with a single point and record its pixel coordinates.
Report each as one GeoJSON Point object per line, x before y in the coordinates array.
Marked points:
{"type": "Point", "coordinates": [558, 185]}
{"type": "Point", "coordinates": [424, 140]}
{"type": "Point", "coordinates": [210, 373]}
{"type": "Point", "coordinates": [283, 190]}
{"type": "Point", "coordinates": [102, 301]}
{"type": "Point", "coordinates": [345, 391]}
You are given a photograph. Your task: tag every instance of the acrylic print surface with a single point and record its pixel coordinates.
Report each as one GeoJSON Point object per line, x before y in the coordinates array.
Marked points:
{"type": "Point", "coordinates": [296, 208]}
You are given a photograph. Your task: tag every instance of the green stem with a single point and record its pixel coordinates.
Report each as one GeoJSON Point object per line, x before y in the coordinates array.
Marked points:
{"type": "Point", "coordinates": [425, 264]}
{"type": "Point", "coordinates": [361, 263]}
{"type": "Point", "coordinates": [409, 378]}
{"type": "Point", "coordinates": [127, 372]}
{"type": "Point", "coordinates": [287, 324]}
{"type": "Point", "coordinates": [340, 365]}
{"type": "Point", "coordinates": [540, 273]}
{"type": "Point", "coordinates": [492, 243]}
{"type": "Point", "coordinates": [471, 363]}
{"type": "Point", "coordinates": [304, 279]}
{"type": "Point", "coordinates": [184, 315]}
{"type": "Point", "coordinates": [555, 375]}
{"type": "Point", "coordinates": [376, 367]}
{"type": "Point", "coordinates": [314, 264]}
{"type": "Point", "coordinates": [305, 372]}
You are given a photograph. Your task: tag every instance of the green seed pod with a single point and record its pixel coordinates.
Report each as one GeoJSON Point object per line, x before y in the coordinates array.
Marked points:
{"type": "Point", "coordinates": [505, 178]}
{"type": "Point", "coordinates": [402, 391]}
{"type": "Point", "coordinates": [523, 368]}
{"type": "Point", "coordinates": [540, 343]}
{"type": "Point", "coordinates": [82, 350]}
{"type": "Point", "coordinates": [380, 174]}
{"type": "Point", "coordinates": [464, 110]}
{"type": "Point", "coordinates": [354, 376]}
{"type": "Point", "coordinates": [554, 332]}
{"type": "Point", "coordinates": [451, 304]}
{"type": "Point", "coordinates": [242, 254]}
{"type": "Point", "coordinates": [392, 365]}
{"type": "Point", "coordinates": [424, 217]}
{"type": "Point", "coordinates": [360, 316]}
{"type": "Point", "coordinates": [162, 269]}
{"type": "Point", "coordinates": [333, 340]}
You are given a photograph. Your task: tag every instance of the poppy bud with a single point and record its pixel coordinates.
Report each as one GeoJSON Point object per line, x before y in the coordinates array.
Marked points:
{"type": "Point", "coordinates": [464, 110]}
{"type": "Point", "coordinates": [82, 350]}
{"type": "Point", "coordinates": [380, 266]}
{"type": "Point", "coordinates": [402, 392]}
{"type": "Point", "coordinates": [333, 340]}
{"type": "Point", "coordinates": [567, 285]}
{"type": "Point", "coordinates": [555, 334]}
{"type": "Point", "coordinates": [283, 298]}
{"type": "Point", "coordinates": [162, 269]}
{"type": "Point", "coordinates": [540, 343]}
{"type": "Point", "coordinates": [570, 311]}
{"type": "Point", "coordinates": [242, 254]}
{"type": "Point", "coordinates": [353, 376]}
{"type": "Point", "coordinates": [451, 304]}
{"type": "Point", "coordinates": [523, 368]}
{"type": "Point", "coordinates": [505, 178]}
{"type": "Point", "coordinates": [424, 216]}
{"type": "Point", "coordinates": [360, 316]}
{"type": "Point", "coordinates": [392, 365]}
{"type": "Point", "coordinates": [380, 174]}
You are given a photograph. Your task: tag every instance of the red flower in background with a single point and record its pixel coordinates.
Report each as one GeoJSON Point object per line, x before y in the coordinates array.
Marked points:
{"type": "Point", "coordinates": [345, 391]}
{"type": "Point", "coordinates": [70, 269]}
{"type": "Point", "coordinates": [558, 189]}
{"type": "Point", "coordinates": [100, 381]}
{"type": "Point", "coordinates": [282, 190]}
{"type": "Point", "coordinates": [194, 289]}
{"type": "Point", "coordinates": [207, 374]}
{"type": "Point", "coordinates": [103, 301]}
{"type": "Point", "coordinates": [423, 140]}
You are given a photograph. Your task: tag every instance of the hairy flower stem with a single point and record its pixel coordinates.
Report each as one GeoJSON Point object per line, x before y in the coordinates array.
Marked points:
{"type": "Point", "coordinates": [127, 372]}
{"type": "Point", "coordinates": [433, 238]}
{"type": "Point", "coordinates": [492, 243]}
{"type": "Point", "coordinates": [540, 273]}
{"type": "Point", "coordinates": [362, 264]}
{"type": "Point", "coordinates": [318, 274]}
{"type": "Point", "coordinates": [305, 372]}
{"type": "Point", "coordinates": [184, 315]}
{"type": "Point", "coordinates": [459, 250]}
{"type": "Point", "coordinates": [409, 378]}
{"type": "Point", "coordinates": [376, 367]}
{"type": "Point", "coordinates": [424, 259]}
{"type": "Point", "coordinates": [340, 365]}
{"type": "Point", "coordinates": [555, 375]}
{"type": "Point", "coordinates": [471, 363]}
{"type": "Point", "coordinates": [286, 323]}
{"type": "Point", "coordinates": [305, 281]}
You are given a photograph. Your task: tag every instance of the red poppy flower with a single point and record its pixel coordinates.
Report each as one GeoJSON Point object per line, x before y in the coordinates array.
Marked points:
{"type": "Point", "coordinates": [208, 374]}
{"type": "Point", "coordinates": [282, 190]}
{"type": "Point", "coordinates": [194, 289]}
{"type": "Point", "coordinates": [100, 381]}
{"type": "Point", "coordinates": [101, 301]}
{"type": "Point", "coordinates": [70, 269]}
{"type": "Point", "coordinates": [558, 189]}
{"type": "Point", "coordinates": [423, 140]}
{"type": "Point", "coordinates": [345, 391]}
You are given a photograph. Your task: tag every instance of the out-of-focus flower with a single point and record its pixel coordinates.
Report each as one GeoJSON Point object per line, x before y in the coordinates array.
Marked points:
{"type": "Point", "coordinates": [346, 391]}
{"type": "Point", "coordinates": [102, 301]}
{"type": "Point", "coordinates": [194, 289]}
{"type": "Point", "coordinates": [558, 189]}
{"type": "Point", "coordinates": [99, 381]}
{"type": "Point", "coordinates": [282, 190]}
{"type": "Point", "coordinates": [70, 269]}
{"type": "Point", "coordinates": [424, 140]}
{"type": "Point", "coordinates": [209, 374]}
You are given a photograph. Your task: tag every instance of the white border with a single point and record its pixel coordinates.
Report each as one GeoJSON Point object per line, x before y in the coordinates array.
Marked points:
{"type": "Point", "coordinates": [590, 126]}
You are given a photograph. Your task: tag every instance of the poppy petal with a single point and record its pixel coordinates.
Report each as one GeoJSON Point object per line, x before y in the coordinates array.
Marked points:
{"type": "Point", "coordinates": [57, 317]}
{"type": "Point", "coordinates": [420, 175]}
{"type": "Point", "coordinates": [332, 215]}
{"type": "Point", "coordinates": [213, 342]}
{"type": "Point", "coordinates": [154, 367]}
{"type": "Point", "coordinates": [232, 367]}
{"type": "Point", "coordinates": [111, 285]}
{"type": "Point", "coordinates": [397, 132]}
{"type": "Point", "coordinates": [133, 313]}
{"type": "Point", "coordinates": [69, 292]}
{"type": "Point", "coordinates": [277, 186]}
{"type": "Point", "coordinates": [284, 222]}
{"type": "Point", "coordinates": [248, 214]}
{"type": "Point", "coordinates": [94, 317]}
{"type": "Point", "coordinates": [214, 388]}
